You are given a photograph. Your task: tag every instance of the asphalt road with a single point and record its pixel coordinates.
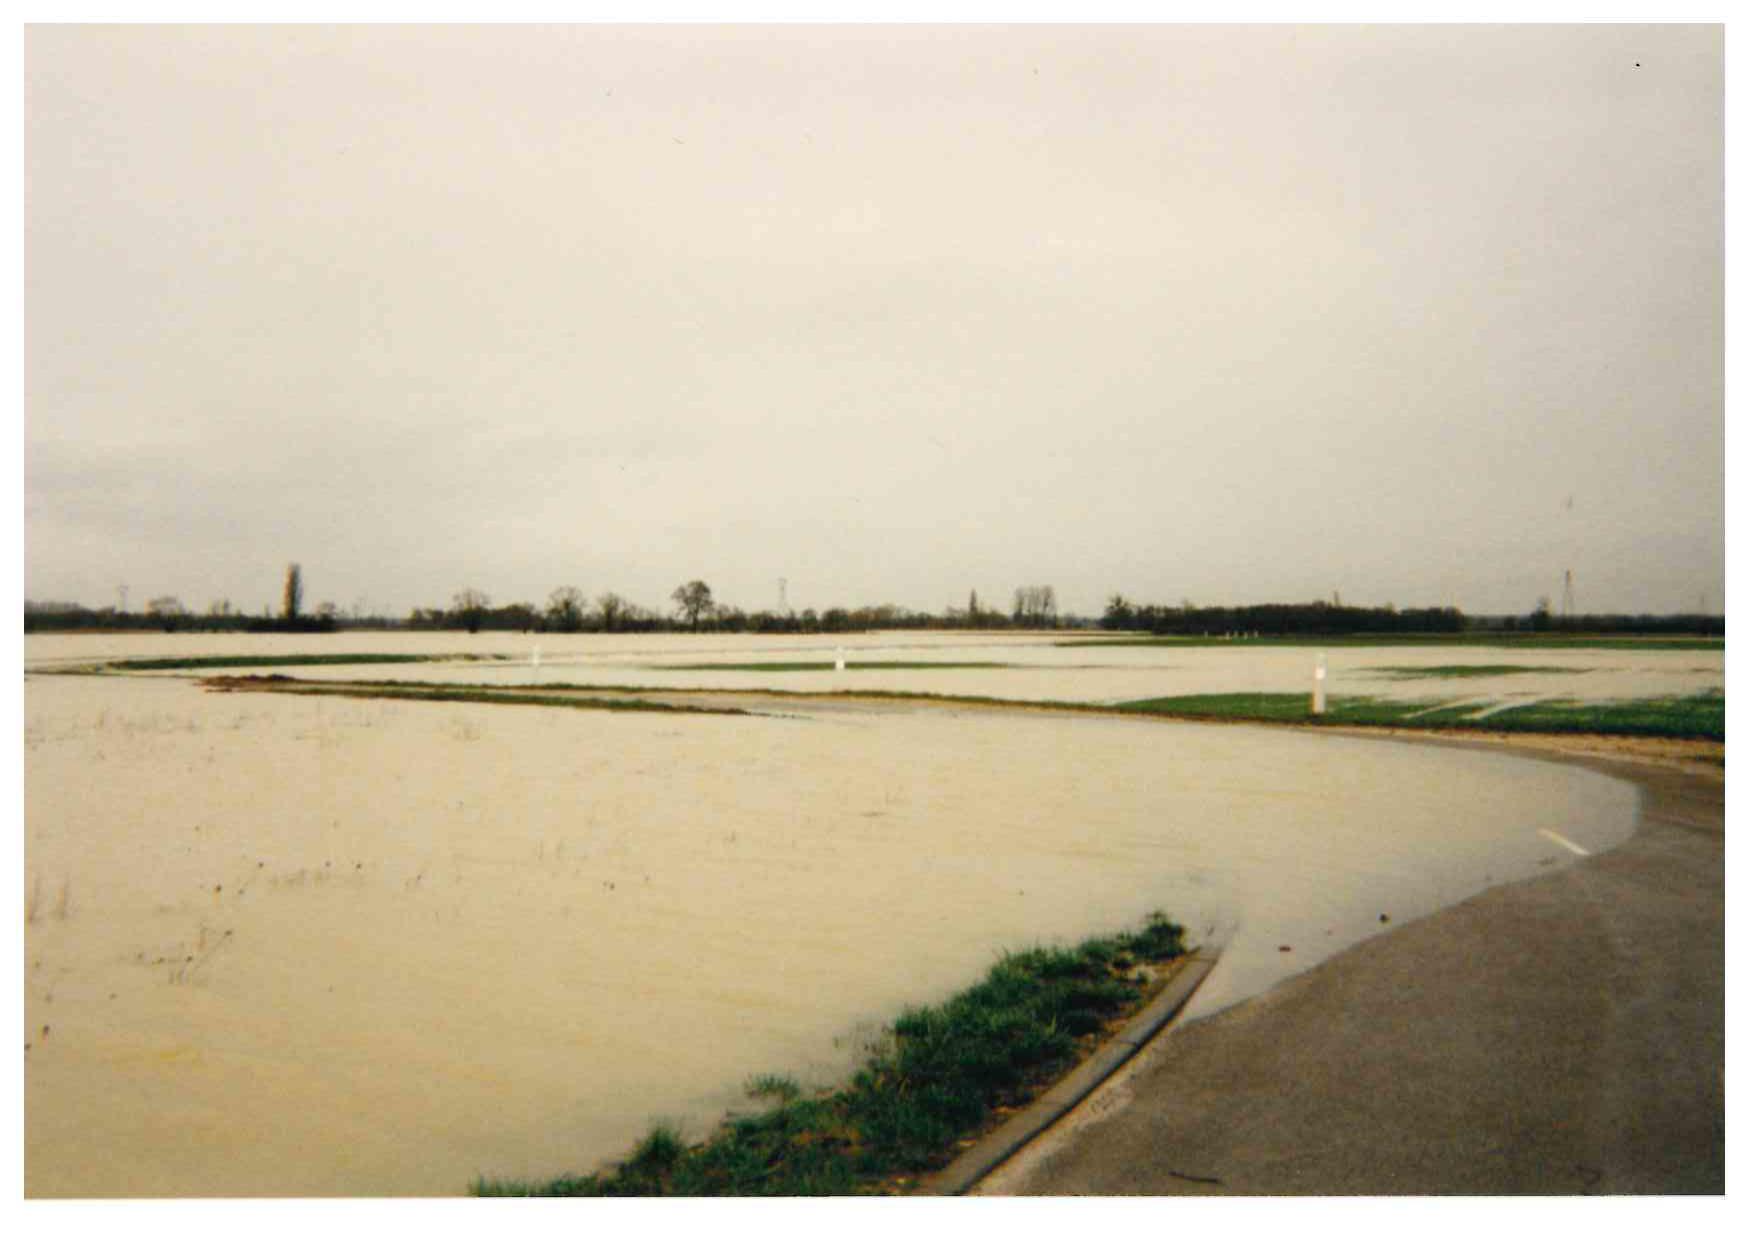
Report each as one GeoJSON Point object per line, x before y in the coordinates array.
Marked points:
{"type": "Point", "coordinates": [1562, 1035]}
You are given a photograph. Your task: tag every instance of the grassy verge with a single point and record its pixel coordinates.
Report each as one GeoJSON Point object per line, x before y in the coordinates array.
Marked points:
{"type": "Point", "coordinates": [561, 689]}
{"type": "Point", "coordinates": [940, 1076]}
{"type": "Point", "coordinates": [1544, 641]}
{"type": "Point", "coordinates": [412, 691]}
{"type": "Point", "coordinates": [1463, 671]}
{"type": "Point", "coordinates": [213, 662]}
{"type": "Point", "coordinates": [1699, 716]}
{"type": "Point", "coordinates": [1290, 708]}
{"type": "Point", "coordinates": [825, 665]}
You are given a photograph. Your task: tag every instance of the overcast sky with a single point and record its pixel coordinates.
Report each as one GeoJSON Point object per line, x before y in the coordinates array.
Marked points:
{"type": "Point", "coordinates": [1422, 315]}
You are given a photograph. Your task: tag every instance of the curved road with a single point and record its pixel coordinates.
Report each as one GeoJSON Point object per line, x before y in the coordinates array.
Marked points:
{"type": "Point", "coordinates": [1560, 1035]}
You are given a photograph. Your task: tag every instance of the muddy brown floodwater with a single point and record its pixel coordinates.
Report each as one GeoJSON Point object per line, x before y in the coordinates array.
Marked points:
{"type": "Point", "coordinates": [303, 946]}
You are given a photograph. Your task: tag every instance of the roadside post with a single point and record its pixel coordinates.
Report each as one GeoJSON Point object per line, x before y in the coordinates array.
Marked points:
{"type": "Point", "coordinates": [840, 658]}
{"type": "Point", "coordinates": [1317, 680]}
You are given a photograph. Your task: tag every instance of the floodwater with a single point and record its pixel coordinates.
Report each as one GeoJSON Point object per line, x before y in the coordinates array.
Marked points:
{"type": "Point", "coordinates": [1033, 667]}
{"type": "Point", "coordinates": [303, 946]}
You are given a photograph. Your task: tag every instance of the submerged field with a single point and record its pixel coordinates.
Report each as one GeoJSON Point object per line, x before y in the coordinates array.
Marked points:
{"type": "Point", "coordinates": [291, 945]}
{"type": "Point", "coordinates": [1038, 668]}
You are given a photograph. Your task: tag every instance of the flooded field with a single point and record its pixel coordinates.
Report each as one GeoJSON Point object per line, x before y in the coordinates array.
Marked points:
{"type": "Point", "coordinates": [1026, 668]}
{"type": "Point", "coordinates": [302, 946]}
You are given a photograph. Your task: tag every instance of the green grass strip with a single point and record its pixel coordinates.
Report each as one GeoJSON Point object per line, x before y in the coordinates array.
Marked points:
{"type": "Point", "coordinates": [1698, 716]}
{"type": "Point", "coordinates": [413, 691]}
{"type": "Point", "coordinates": [1459, 671]}
{"type": "Point", "coordinates": [937, 1077]}
{"type": "Point", "coordinates": [1280, 708]}
{"type": "Point", "coordinates": [491, 692]}
{"type": "Point", "coordinates": [208, 662]}
{"type": "Point", "coordinates": [1496, 641]}
{"type": "Point", "coordinates": [818, 666]}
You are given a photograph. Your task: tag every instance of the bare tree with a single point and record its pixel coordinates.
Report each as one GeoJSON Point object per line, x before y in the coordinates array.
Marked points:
{"type": "Point", "coordinates": [471, 605]}
{"type": "Point", "coordinates": [1035, 605]}
{"type": "Point", "coordinates": [564, 609]}
{"type": "Point", "coordinates": [166, 610]}
{"type": "Point", "coordinates": [613, 610]}
{"type": "Point", "coordinates": [1119, 612]}
{"type": "Point", "coordinates": [293, 592]}
{"type": "Point", "coordinates": [694, 601]}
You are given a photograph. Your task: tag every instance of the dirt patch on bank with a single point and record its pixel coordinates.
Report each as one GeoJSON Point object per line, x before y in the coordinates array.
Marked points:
{"type": "Point", "coordinates": [1695, 757]}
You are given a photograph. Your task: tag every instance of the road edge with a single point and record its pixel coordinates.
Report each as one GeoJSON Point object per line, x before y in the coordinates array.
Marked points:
{"type": "Point", "coordinates": [964, 1172]}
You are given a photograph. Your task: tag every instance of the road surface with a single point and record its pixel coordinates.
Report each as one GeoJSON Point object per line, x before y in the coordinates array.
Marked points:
{"type": "Point", "coordinates": [1560, 1035]}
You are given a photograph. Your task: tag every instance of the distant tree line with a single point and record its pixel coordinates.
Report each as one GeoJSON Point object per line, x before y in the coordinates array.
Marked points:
{"type": "Point", "coordinates": [1277, 619]}
{"type": "Point", "coordinates": [696, 609]}
{"type": "Point", "coordinates": [168, 615]}
{"type": "Point", "coordinates": [1326, 618]}
{"type": "Point", "coordinates": [1543, 620]}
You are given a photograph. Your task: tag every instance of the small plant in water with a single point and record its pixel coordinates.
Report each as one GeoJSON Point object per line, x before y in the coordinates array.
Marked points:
{"type": "Point", "coordinates": [769, 1085]}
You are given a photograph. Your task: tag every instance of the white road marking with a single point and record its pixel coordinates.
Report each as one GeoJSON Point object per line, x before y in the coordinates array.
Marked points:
{"type": "Point", "coordinates": [1565, 843]}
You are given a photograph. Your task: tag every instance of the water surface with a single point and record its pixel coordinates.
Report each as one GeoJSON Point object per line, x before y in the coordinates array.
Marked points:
{"type": "Point", "coordinates": [318, 946]}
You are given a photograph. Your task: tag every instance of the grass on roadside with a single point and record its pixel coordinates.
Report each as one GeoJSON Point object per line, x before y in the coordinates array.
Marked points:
{"type": "Point", "coordinates": [939, 1076]}
{"type": "Point", "coordinates": [1698, 715]}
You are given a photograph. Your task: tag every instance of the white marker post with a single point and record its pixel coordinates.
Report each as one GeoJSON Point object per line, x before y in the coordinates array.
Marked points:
{"type": "Point", "coordinates": [1317, 679]}
{"type": "Point", "coordinates": [840, 658]}
{"type": "Point", "coordinates": [536, 659]}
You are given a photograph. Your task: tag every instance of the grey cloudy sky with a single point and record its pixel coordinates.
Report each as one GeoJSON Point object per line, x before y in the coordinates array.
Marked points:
{"type": "Point", "coordinates": [1232, 314]}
